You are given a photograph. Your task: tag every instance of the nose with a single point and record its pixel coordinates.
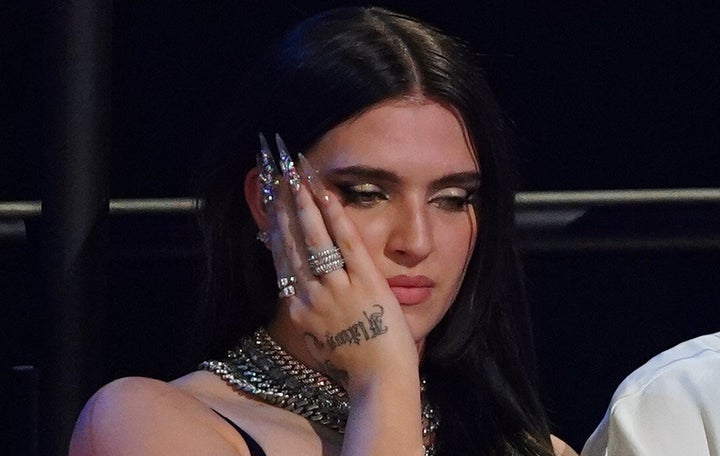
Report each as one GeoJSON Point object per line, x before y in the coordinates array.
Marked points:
{"type": "Point", "coordinates": [410, 238]}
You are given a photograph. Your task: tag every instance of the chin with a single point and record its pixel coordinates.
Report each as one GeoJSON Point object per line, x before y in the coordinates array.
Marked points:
{"type": "Point", "coordinates": [419, 328]}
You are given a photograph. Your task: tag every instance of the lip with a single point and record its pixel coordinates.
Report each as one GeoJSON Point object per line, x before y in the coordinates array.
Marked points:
{"type": "Point", "coordinates": [411, 290]}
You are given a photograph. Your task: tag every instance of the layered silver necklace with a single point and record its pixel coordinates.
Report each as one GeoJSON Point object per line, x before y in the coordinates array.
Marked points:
{"type": "Point", "coordinates": [260, 367]}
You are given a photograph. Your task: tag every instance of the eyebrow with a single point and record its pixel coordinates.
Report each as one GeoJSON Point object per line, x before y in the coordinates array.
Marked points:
{"type": "Point", "coordinates": [468, 179]}
{"type": "Point", "coordinates": [460, 179]}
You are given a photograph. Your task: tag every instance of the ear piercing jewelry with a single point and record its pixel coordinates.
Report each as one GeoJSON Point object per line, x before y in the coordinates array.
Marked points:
{"type": "Point", "coordinates": [264, 237]}
{"type": "Point", "coordinates": [326, 261]}
{"type": "Point", "coordinates": [286, 286]}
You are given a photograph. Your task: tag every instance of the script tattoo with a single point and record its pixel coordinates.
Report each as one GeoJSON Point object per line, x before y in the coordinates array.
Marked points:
{"type": "Point", "coordinates": [360, 331]}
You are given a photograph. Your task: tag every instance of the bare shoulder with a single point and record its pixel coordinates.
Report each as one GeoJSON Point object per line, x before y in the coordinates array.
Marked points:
{"type": "Point", "coordinates": [561, 448]}
{"type": "Point", "coordinates": [137, 415]}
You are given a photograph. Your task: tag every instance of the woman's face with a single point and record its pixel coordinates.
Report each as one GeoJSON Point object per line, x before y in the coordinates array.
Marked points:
{"type": "Point", "coordinates": [407, 176]}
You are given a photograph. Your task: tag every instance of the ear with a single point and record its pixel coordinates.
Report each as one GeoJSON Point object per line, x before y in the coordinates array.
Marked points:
{"type": "Point", "coordinates": [254, 199]}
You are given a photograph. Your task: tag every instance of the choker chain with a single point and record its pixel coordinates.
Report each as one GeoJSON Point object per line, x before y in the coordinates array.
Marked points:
{"type": "Point", "coordinates": [260, 367]}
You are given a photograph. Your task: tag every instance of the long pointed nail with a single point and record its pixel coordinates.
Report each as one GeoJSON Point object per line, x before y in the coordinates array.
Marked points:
{"type": "Point", "coordinates": [268, 171]}
{"type": "Point", "coordinates": [265, 160]}
{"type": "Point", "coordinates": [312, 177]}
{"type": "Point", "coordinates": [286, 165]}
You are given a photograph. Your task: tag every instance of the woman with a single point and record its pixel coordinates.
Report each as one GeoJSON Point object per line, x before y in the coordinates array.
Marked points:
{"type": "Point", "coordinates": [382, 311]}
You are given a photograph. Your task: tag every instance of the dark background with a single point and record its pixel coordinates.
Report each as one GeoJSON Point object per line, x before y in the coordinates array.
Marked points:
{"type": "Point", "coordinates": [603, 95]}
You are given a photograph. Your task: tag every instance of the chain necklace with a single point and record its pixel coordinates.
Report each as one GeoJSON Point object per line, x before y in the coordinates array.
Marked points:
{"type": "Point", "coordinates": [260, 367]}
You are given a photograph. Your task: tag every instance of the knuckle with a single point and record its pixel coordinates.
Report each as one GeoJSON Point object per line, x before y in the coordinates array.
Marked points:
{"type": "Point", "coordinates": [313, 240]}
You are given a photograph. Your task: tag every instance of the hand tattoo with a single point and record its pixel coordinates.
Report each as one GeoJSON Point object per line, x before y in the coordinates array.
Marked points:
{"type": "Point", "coordinates": [359, 331]}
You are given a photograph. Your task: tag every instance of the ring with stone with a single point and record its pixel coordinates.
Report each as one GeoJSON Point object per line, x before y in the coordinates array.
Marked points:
{"type": "Point", "coordinates": [286, 286]}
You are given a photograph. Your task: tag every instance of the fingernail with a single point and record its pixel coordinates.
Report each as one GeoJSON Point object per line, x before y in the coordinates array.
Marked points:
{"type": "Point", "coordinates": [312, 177]}
{"type": "Point", "coordinates": [268, 171]}
{"type": "Point", "coordinates": [265, 160]}
{"type": "Point", "coordinates": [287, 166]}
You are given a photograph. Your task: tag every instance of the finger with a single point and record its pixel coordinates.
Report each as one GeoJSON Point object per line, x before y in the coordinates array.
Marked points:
{"type": "Point", "coordinates": [324, 261]}
{"type": "Point", "coordinates": [358, 262]}
{"type": "Point", "coordinates": [280, 234]}
{"type": "Point", "coordinates": [268, 173]}
{"type": "Point", "coordinates": [286, 237]}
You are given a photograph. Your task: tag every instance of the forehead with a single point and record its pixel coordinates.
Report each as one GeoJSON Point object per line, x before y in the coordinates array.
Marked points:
{"type": "Point", "coordinates": [399, 135]}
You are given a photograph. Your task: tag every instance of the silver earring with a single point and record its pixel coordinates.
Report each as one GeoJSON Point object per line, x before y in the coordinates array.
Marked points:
{"type": "Point", "coordinates": [263, 237]}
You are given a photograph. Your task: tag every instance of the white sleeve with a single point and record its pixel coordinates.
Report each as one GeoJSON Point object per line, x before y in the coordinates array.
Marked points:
{"type": "Point", "coordinates": [670, 406]}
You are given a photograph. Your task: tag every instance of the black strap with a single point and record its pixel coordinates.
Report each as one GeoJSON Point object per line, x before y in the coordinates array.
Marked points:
{"type": "Point", "coordinates": [255, 449]}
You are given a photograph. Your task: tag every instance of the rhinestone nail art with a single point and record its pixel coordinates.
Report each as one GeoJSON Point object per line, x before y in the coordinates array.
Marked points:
{"type": "Point", "coordinates": [268, 171]}
{"type": "Point", "coordinates": [287, 166]}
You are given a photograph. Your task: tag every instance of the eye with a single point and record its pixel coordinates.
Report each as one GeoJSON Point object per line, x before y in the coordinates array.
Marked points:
{"type": "Point", "coordinates": [362, 195]}
{"type": "Point", "coordinates": [454, 199]}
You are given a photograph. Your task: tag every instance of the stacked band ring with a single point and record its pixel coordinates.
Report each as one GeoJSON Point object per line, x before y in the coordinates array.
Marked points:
{"type": "Point", "coordinates": [286, 286]}
{"type": "Point", "coordinates": [326, 261]}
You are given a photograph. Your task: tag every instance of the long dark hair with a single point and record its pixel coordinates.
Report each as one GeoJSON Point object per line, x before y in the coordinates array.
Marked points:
{"type": "Point", "coordinates": [479, 361]}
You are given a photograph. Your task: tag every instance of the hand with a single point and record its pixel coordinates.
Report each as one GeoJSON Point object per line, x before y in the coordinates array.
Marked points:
{"type": "Point", "coordinates": [353, 323]}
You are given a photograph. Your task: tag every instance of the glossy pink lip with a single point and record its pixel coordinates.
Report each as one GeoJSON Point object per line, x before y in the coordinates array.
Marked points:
{"type": "Point", "coordinates": [411, 290]}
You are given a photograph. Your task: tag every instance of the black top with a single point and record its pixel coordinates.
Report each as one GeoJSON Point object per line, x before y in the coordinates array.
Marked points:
{"type": "Point", "coordinates": [255, 449]}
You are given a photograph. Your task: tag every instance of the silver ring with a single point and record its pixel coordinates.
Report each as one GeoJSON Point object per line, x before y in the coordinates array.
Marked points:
{"type": "Point", "coordinates": [326, 261]}
{"type": "Point", "coordinates": [286, 286]}
{"type": "Point", "coordinates": [285, 281]}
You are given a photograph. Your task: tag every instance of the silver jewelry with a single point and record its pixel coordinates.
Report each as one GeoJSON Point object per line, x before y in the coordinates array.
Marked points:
{"type": "Point", "coordinates": [264, 237]}
{"type": "Point", "coordinates": [260, 367]}
{"type": "Point", "coordinates": [326, 261]}
{"type": "Point", "coordinates": [286, 286]}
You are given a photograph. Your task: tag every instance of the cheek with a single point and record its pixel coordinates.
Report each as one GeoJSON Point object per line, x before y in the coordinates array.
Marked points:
{"type": "Point", "coordinates": [455, 239]}
{"type": "Point", "coordinates": [371, 227]}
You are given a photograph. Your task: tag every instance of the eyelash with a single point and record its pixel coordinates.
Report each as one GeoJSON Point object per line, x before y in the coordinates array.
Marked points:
{"type": "Point", "coordinates": [454, 203]}
{"type": "Point", "coordinates": [354, 195]}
